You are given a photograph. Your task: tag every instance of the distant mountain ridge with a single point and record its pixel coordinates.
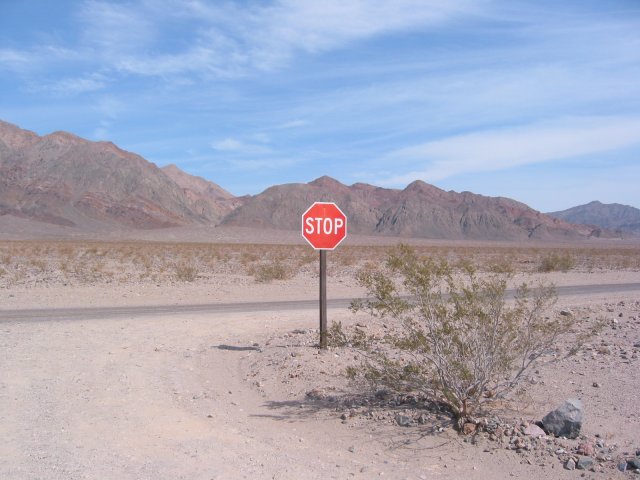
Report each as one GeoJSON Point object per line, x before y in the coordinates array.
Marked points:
{"type": "Point", "coordinates": [66, 180]}
{"type": "Point", "coordinates": [63, 179]}
{"type": "Point", "coordinates": [420, 210]}
{"type": "Point", "coordinates": [612, 216]}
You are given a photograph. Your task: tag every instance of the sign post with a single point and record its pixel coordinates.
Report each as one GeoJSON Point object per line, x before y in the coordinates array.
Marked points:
{"type": "Point", "coordinates": [324, 226]}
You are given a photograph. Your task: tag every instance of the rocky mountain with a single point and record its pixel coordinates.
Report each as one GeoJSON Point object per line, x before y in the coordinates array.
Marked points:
{"type": "Point", "coordinates": [63, 179]}
{"type": "Point", "coordinates": [205, 197]}
{"type": "Point", "coordinates": [420, 210]}
{"type": "Point", "coordinates": [612, 216]}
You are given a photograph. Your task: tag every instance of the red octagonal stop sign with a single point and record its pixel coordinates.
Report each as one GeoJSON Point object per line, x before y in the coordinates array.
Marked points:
{"type": "Point", "coordinates": [324, 226]}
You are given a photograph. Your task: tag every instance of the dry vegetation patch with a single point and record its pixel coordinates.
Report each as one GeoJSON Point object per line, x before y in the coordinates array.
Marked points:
{"type": "Point", "coordinates": [72, 263]}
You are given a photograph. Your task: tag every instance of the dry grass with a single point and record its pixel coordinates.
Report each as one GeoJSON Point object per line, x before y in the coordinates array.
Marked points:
{"type": "Point", "coordinates": [77, 263]}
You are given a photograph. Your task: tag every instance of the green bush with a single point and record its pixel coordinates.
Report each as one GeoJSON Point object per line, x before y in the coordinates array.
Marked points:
{"type": "Point", "coordinates": [453, 338]}
{"type": "Point", "coordinates": [555, 261]}
{"type": "Point", "coordinates": [267, 272]}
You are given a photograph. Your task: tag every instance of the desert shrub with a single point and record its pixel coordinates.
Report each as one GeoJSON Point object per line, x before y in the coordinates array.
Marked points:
{"type": "Point", "coordinates": [273, 270]}
{"type": "Point", "coordinates": [503, 264]}
{"type": "Point", "coordinates": [555, 261]}
{"type": "Point", "coordinates": [453, 338]}
{"type": "Point", "coordinates": [185, 272]}
{"type": "Point", "coordinates": [247, 258]}
{"type": "Point", "coordinates": [336, 336]}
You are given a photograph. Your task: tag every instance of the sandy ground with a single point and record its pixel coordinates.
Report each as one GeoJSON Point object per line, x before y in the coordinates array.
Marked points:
{"type": "Point", "coordinates": [139, 398]}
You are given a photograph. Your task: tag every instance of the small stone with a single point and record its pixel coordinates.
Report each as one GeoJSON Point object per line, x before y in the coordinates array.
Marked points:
{"type": "Point", "coordinates": [596, 385]}
{"type": "Point", "coordinates": [586, 449]}
{"type": "Point", "coordinates": [352, 449]}
{"type": "Point", "coordinates": [534, 431]}
{"type": "Point", "coordinates": [468, 428]}
{"type": "Point", "coordinates": [622, 466]}
{"type": "Point", "coordinates": [635, 463]}
{"type": "Point", "coordinates": [343, 416]}
{"type": "Point", "coordinates": [382, 394]}
{"type": "Point", "coordinates": [566, 313]}
{"type": "Point", "coordinates": [316, 394]}
{"type": "Point", "coordinates": [584, 463]}
{"type": "Point", "coordinates": [403, 420]}
{"type": "Point", "coordinates": [570, 465]}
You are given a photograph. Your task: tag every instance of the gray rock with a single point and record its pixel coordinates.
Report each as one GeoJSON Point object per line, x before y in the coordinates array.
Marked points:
{"type": "Point", "coordinates": [566, 313]}
{"type": "Point", "coordinates": [570, 465]}
{"type": "Point", "coordinates": [403, 420]}
{"type": "Point", "coordinates": [584, 463]}
{"type": "Point", "coordinates": [635, 463]}
{"type": "Point", "coordinates": [534, 430]}
{"type": "Point", "coordinates": [622, 466]}
{"type": "Point", "coordinates": [566, 420]}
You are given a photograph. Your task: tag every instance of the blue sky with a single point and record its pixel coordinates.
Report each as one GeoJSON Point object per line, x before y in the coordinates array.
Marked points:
{"type": "Point", "coordinates": [533, 100]}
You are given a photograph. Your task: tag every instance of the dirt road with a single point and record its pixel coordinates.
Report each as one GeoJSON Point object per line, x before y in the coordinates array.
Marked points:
{"type": "Point", "coordinates": [247, 307]}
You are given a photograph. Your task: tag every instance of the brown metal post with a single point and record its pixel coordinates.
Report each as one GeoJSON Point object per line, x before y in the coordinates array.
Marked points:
{"type": "Point", "coordinates": [323, 299]}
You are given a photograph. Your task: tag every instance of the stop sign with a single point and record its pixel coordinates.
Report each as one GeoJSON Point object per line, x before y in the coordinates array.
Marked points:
{"type": "Point", "coordinates": [324, 225]}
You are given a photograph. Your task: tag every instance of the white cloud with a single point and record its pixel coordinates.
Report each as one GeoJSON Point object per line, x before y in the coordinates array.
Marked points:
{"type": "Point", "coordinates": [116, 28]}
{"type": "Point", "coordinates": [234, 145]}
{"type": "Point", "coordinates": [75, 86]}
{"type": "Point", "coordinates": [227, 145]}
{"type": "Point", "coordinates": [13, 58]}
{"type": "Point", "coordinates": [289, 26]}
{"type": "Point", "coordinates": [263, 163]}
{"type": "Point", "coordinates": [501, 149]}
{"type": "Point", "coordinates": [229, 40]}
{"type": "Point", "coordinates": [101, 133]}
{"type": "Point", "coordinates": [292, 124]}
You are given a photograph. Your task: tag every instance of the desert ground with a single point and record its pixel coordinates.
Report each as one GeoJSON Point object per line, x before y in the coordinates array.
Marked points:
{"type": "Point", "coordinates": [123, 359]}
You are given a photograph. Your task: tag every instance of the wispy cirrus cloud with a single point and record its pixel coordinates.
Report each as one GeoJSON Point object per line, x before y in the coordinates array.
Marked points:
{"type": "Point", "coordinates": [230, 40]}
{"type": "Point", "coordinates": [13, 59]}
{"type": "Point", "coordinates": [73, 86]}
{"type": "Point", "coordinates": [501, 149]}
{"type": "Point", "coordinates": [297, 123]}
{"type": "Point", "coordinates": [273, 163]}
{"type": "Point", "coordinates": [236, 146]}
{"type": "Point", "coordinates": [116, 28]}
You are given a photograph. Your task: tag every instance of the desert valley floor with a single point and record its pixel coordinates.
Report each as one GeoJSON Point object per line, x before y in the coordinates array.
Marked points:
{"type": "Point", "coordinates": [166, 392]}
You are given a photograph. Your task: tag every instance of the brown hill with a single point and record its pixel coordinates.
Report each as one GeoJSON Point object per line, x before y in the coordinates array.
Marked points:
{"type": "Point", "coordinates": [282, 206]}
{"type": "Point", "coordinates": [63, 179]}
{"type": "Point", "coordinates": [205, 197]}
{"type": "Point", "coordinates": [623, 219]}
{"type": "Point", "coordinates": [420, 210]}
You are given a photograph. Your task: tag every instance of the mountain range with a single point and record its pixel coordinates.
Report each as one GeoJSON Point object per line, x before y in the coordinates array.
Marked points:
{"type": "Point", "coordinates": [612, 216]}
{"type": "Point", "coordinates": [65, 180]}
